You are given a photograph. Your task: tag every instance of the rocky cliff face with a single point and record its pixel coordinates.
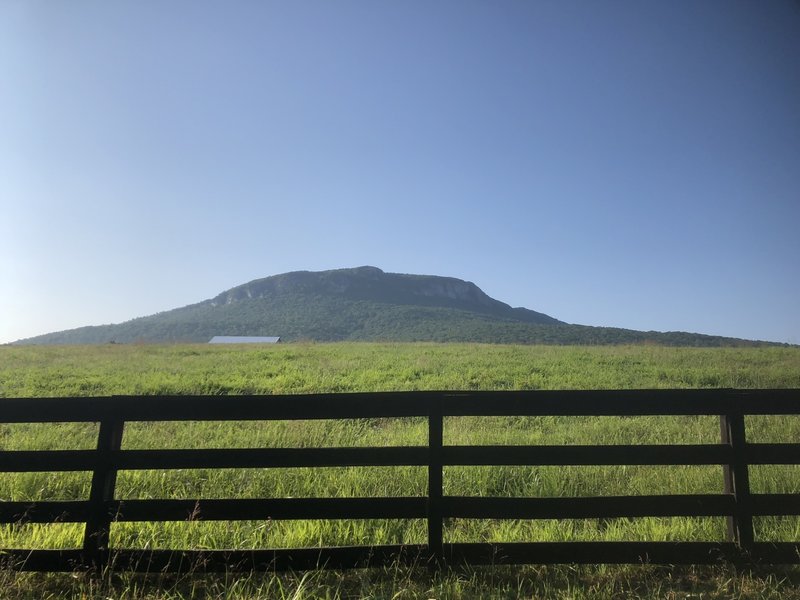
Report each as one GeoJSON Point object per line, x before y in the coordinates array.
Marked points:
{"type": "Point", "coordinates": [373, 284]}
{"type": "Point", "coordinates": [454, 289]}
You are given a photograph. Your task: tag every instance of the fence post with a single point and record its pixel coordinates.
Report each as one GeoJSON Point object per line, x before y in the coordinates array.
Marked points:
{"type": "Point", "coordinates": [104, 479]}
{"type": "Point", "coordinates": [435, 466]}
{"type": "Point", "coordinates": [737, 481]}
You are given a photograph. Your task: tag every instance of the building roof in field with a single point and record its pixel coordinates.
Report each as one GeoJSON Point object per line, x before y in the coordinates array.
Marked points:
{"type": "Point", "coordinates": [243, 339]}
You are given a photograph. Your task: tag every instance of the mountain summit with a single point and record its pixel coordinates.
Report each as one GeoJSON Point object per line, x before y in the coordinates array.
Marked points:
{"type": "Point", "coordinates": [371, 284]}
{"type": "Point", "coordinates": [364, 304]}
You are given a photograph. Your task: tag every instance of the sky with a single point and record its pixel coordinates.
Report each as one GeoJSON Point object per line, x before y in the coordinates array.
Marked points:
{"type": "Point", "coordinates": [616, 163]}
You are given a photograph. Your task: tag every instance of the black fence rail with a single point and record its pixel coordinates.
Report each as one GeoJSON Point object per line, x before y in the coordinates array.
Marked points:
{"type": "Point", "coordinates": [733, 453]}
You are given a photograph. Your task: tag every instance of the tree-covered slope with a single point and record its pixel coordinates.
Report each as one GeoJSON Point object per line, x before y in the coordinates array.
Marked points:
{"type": "Point", "coordinates": [363, 304]}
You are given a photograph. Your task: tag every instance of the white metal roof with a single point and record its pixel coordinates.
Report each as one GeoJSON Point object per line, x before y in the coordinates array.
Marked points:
{"type": "Point", "coordinates": [243, 339]}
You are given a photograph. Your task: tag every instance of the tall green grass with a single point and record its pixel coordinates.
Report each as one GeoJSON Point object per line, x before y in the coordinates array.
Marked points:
{"type": "Point", "coordinates": [307, 368]}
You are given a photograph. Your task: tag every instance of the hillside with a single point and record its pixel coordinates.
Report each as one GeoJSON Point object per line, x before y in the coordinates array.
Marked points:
{"type": "Point", "coordinates": [364, 304]}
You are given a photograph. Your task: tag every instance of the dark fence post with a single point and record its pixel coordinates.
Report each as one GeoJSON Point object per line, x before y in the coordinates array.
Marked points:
{"type": "Point", "coordinates": [737, 481]}
{"type": "Point", "coordinates": [435, 466]}
{"type": "Point", "coordinates": [104, 479]}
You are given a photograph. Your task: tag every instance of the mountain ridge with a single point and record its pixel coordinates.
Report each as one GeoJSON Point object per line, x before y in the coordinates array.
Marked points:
{"type": "Point", "coordinates": [364, 304]}
{"type": "Point", "coordinates": [371, 283]}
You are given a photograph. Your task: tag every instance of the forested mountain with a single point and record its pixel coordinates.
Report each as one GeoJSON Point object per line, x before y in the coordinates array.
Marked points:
{"type": "Point", "coordinates": [367, 304]}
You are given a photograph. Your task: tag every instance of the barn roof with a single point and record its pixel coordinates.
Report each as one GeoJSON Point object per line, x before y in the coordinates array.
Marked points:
{"type": "Point", "coordinates": [243, 339]}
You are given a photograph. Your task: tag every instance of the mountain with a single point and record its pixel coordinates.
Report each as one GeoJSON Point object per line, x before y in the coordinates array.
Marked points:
{"type": "Point", "coordinates": [370, 284]}
{"type": "Point", "coordinates": [366, 304]}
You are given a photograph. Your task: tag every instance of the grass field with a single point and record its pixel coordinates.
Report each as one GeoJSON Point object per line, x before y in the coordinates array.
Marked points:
{"type": "Point", "coordinates": [306, 368]}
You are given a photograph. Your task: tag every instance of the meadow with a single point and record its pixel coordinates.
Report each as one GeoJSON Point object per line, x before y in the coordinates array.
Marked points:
{"type": "Point", "coordinates": [358, 367]}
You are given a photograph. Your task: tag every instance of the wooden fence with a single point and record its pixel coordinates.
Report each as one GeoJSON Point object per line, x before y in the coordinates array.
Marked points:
{"type": "Point", "coordinates": [733, 453]}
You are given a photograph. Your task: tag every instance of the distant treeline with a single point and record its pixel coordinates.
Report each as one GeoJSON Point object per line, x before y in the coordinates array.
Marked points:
{"type": "Point", "coordinates": [294, 317]}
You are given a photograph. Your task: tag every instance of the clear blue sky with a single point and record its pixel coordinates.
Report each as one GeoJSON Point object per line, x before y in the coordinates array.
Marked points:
{"type": "Point", "coordinates": [622, 163]}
